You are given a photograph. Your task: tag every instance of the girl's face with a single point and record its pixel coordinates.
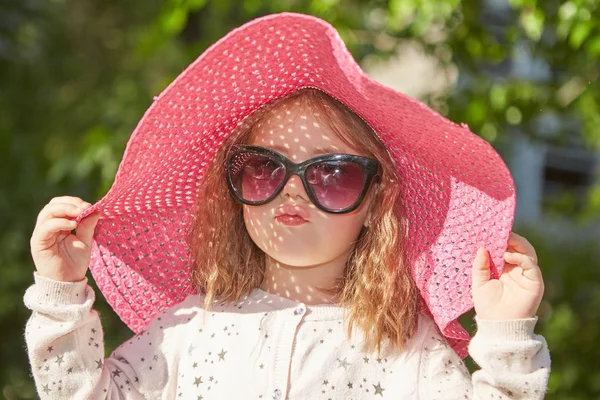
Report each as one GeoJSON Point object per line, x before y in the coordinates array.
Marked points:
{"type": "Point", "coordinates": [317, 237]}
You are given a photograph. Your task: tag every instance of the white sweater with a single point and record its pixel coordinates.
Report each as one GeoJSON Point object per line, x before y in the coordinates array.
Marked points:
{"type": "Point", "coordinates": [265, 347]}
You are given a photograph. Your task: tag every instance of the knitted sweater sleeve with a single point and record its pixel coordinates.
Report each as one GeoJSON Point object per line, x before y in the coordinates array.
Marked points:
{"type": "Point", "coordinates": [514, 363]}
{"type": "Point", "coordinates": [66, 348]}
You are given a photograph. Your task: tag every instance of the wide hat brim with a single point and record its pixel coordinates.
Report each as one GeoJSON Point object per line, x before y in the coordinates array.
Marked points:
{"type": "Point", "coordinates": [458, 193]}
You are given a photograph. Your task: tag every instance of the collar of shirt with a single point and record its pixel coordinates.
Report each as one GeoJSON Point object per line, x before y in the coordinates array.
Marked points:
{"type": "Point", "coordinates": [272, 302]}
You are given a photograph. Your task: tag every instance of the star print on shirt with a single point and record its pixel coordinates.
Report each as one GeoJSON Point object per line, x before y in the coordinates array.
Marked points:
{"type": "Point", "coordinates": [59, 360]}
{"type": "Point", "coordinates": [222, 354]}
{"type": "Point", "coordinates": [344, 363]}
{"type": "Point", "coordinates": [99, 364]}
{"type": "Point", "coordinates": [378, 389]}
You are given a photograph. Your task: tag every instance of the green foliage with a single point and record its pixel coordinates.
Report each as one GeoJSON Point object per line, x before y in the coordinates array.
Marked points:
{"type": "Point", "coordinates": [569, 317]}
{"type": "Point", "coordinates": [76, 76]}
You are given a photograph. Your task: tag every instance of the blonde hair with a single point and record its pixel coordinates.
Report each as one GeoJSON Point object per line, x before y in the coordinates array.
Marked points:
{"type": "Point", "coordinates": [377, 289]}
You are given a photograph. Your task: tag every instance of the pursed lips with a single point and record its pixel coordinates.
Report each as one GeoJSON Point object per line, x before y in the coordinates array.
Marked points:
{"type": "Point", "coordinates": [292, 211]}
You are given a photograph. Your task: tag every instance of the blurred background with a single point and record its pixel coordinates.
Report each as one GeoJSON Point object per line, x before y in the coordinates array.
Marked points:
{"type": "Point", "coordinates": [76, 76]}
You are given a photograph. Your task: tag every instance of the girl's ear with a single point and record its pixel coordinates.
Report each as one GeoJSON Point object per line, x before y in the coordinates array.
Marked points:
{"type": "Point", "coordinates": [367, 222]}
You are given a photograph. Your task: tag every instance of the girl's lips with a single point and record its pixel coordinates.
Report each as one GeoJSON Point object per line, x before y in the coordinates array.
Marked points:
{"type": "Point", "coordinates": [290, 220]}
{"type": "Point", "coordinates": [292, 210]}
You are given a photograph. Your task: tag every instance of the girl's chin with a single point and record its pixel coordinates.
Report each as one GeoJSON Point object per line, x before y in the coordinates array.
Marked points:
{"type": "Point", "coordinates": [295, 259]}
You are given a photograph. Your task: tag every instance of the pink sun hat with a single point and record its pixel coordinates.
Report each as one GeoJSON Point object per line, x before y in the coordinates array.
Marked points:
{"type": "Point", "coordinates": [458, 193]}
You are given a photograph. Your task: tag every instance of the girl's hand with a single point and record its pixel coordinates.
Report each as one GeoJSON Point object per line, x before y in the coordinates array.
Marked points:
{"type": "Point", "coordinates": [518, 292]}
{"type": "Point", "coordinates": [57, 253]}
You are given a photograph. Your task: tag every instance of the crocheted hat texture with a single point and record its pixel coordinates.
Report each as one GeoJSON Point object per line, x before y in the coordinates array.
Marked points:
{"type": "Point", "coordinates": [458, 194]}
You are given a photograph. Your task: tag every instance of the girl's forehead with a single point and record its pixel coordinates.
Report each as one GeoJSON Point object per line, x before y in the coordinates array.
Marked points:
{"type": "Point", "coordinates": [298, 132]}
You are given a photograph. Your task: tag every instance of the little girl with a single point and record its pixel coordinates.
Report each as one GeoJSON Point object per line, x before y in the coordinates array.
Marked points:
{"type": "Point", "coordinates": [283, 227]}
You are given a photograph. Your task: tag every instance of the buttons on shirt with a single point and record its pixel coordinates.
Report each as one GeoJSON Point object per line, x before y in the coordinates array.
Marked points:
{"type": "Point", "coordinates": [299, 311]}
{"type": "Point", "coordinates": [276, 394]}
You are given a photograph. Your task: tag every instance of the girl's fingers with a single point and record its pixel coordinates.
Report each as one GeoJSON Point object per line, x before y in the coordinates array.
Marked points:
{"type": "Point", "coordinates": [522, 260]}
{"type": "Point", "coordinates": [525, 262]}
{"type": "Point", "coordinates": [46, 230]}
{"type": "Point", "coordinates": [521, 245]}
{"type": "Point", "coordinates": [85, 229]}
{"type": "Point", "coordinates": [76, 201]}
{"type": "Point", "coordinates": [59, 210]}
{"type": "Point", "coordinates": [481, 268]}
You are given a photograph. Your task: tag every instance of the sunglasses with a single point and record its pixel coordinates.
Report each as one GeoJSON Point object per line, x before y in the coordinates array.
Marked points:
{"type": "Point", "coordinates": [335, 183]}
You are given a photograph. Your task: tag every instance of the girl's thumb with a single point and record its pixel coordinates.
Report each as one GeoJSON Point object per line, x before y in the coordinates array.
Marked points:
{"type": "Point", "coordinates": [481, 268]}
{"type": "Point", "coordinates": [85, 229]}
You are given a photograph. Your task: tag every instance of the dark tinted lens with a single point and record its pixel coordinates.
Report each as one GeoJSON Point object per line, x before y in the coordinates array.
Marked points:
{"type": "Point", "coordinates": [255, 176]}
{"type": "Point", "coordinates": [336, 184]}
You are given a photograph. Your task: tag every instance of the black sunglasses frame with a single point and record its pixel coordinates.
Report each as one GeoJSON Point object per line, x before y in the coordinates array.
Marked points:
{"type": "Point", "coordinates": [369, 165]}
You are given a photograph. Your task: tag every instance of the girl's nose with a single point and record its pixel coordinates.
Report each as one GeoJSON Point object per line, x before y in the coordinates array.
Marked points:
{"type": "Point", "coordinates": [294, 188]}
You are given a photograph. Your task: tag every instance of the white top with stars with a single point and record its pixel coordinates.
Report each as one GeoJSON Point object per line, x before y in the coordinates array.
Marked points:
{"type": "Point", "coordinates": [265, 347]}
